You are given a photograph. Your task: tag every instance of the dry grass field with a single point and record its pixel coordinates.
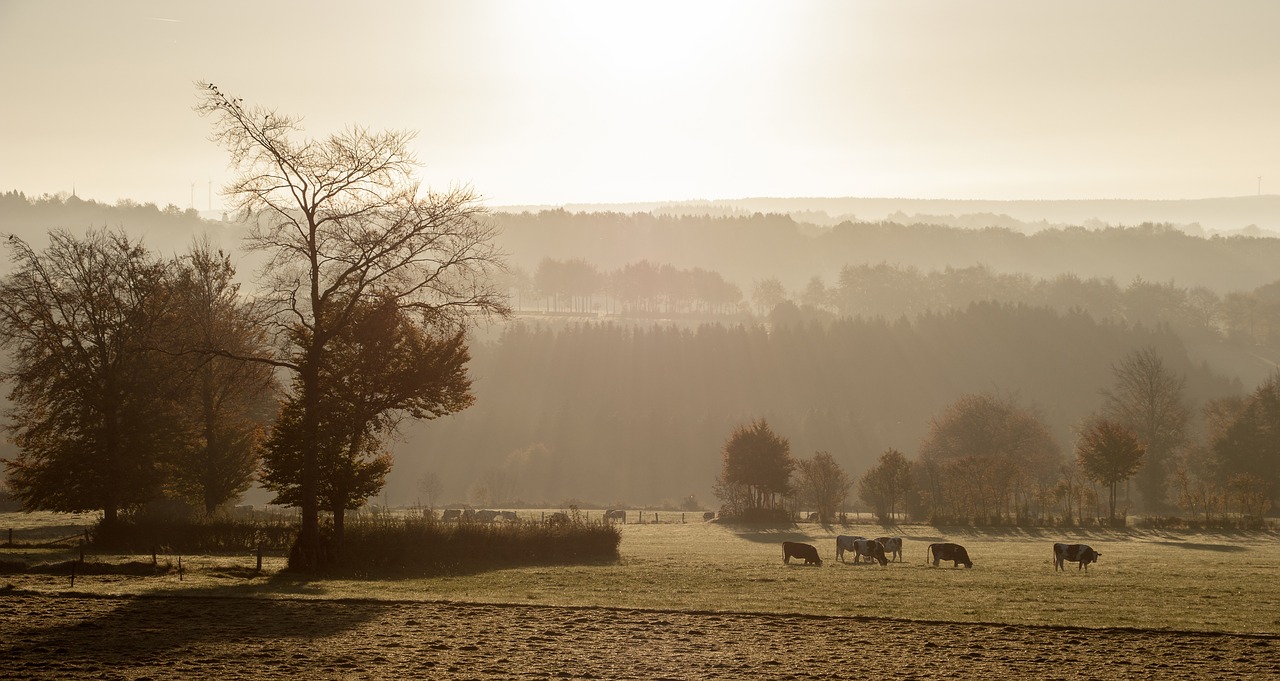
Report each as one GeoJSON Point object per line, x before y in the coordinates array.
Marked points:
{"type": "Point", "coordinates": [696, 600]}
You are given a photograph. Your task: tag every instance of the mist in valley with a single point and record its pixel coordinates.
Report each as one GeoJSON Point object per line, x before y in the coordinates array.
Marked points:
{"type": "Point", "coordinates": [639, 341]}
{"type": "Point", "coordinates": [889, 210]}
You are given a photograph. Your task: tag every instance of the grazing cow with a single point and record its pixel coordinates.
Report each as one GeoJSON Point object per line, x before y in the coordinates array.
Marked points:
{"type": "Point", "coordinates": [845, 543]}
{"type": "Point", "coordinates": [558, 518]}
{"type": "Point", "coordinates": [892, 546]}
{"type": "Point", "coordinates": [870, 548]}
{"type": "Point", "coordinates": [615, 514]}
{"type": "Point", "coordinates": [709, 515]}
{"type": "Point", "coordinates": [947, 551]}
{"type": "Point", "coordinates": [1075, 553]}
{"type": "Point", "coordinates": [813, 517]}
{"type": "Point", "coordinates": [792, 549]}
{"type": "Point", "coordinates": [508, 516]}
{"type": "Point", "coordinates": [452, 514]}
{"type": "Point", "coordinates": [486, 516]}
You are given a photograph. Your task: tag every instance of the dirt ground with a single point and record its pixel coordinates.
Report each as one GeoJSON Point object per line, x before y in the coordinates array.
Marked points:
{"type": "Point", "coordinates": [48, 636]}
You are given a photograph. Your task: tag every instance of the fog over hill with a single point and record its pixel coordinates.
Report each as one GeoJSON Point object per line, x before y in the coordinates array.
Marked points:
{"type": "Point", "coordinates": [611, 406]}
{"type": "Point", "coordinates": [1250, 215]}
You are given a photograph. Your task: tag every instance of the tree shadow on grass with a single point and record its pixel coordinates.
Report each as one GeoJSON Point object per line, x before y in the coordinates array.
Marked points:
{"type": "Point", "coordinates": [770, 534]}
{"type": "Point", "coordinates": [446, 569]}
{"type": "Point", "coordinates": [160, 628]}
{"type": "Point", "coordinates": [1221, 548]}
{"type": "Point", "coordinates": [1016, 531]}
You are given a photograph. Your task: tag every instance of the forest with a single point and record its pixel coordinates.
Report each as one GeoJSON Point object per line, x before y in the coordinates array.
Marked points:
{"type": "Point", "coordinates": [641, 341]}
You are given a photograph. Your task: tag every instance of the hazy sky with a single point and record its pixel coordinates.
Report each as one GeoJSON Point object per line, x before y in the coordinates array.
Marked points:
{"type": "Point", "coordinates": [596, 101]}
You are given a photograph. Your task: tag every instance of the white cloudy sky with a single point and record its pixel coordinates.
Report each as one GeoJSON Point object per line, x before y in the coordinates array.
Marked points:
{"type": "Point", "coordinates": [597, 101]}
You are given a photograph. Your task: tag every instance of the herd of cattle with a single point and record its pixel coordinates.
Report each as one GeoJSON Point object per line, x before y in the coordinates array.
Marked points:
{"type": "Point", "coordinates": [881, 548]}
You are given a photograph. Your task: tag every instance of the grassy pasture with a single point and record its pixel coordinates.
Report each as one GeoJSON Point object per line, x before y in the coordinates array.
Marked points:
{"type": "Point", "coordinates": [1188, 581]}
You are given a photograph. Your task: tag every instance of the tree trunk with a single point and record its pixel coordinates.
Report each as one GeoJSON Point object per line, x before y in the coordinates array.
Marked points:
{"type": "Point", "coordinates": [339, 514]}
{"type": "Point", "coordinates": [306, 553]}
{"type": "Point", "coordinates": [210, 442]}
{"type": "Point", "coordinates": [1112, 514]}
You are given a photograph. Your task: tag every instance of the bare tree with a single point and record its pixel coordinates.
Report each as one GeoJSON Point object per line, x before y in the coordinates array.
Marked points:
{"type": "Point", "coordinates": [1147, 398]}
{"type": "Point", "coordinates": [430, 487]}
{"type": "Point", "coordinates": [1251, 495]}
{"type": "Point", "coordinates": [1070, 489]}
{"type": "Point", "coordinates": [825, 483]}
{"type": "Point", "coordinates": [342, 220]}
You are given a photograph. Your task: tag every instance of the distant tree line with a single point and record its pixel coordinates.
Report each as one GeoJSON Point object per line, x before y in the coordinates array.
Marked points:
{"type": "Point", "coordinates": [747, 248]}
{"type": "Point", "coordinates": [621, 411]}
{"type": "Point", "coordinates": [645, 289]}
{"type": "Point", "coordinates": [36, 215]}
{"type": "Point", "coordinates": [618, 412]}
{"type": "Point", "coordinates": [987, 460]}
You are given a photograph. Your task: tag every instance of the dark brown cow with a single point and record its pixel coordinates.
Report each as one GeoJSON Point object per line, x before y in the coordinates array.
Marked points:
{"type": "Point", "coordinates": [793, 549]}
{"type": "Point", "coordinates": [947, 551]}
{"type": "Point", "coordinates": [1074, 553]}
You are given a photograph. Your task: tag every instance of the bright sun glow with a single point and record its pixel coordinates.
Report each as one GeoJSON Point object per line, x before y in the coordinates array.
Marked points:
{"type": "Point", "coordinates": [670, 97]}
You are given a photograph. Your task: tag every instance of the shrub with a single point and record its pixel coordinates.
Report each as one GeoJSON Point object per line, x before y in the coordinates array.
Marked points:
{"type": "Point", "coordinates": [418, 545]}
{"type": "Point", "coordinates": [144, 534]}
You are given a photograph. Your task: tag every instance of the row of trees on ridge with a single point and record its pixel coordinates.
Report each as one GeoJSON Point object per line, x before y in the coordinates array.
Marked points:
{"type": "Point", "coordinates": [644, 288]}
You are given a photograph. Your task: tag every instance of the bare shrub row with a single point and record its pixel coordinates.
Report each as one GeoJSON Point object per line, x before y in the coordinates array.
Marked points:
{"type": "Point", "coordinates": [421, 545]}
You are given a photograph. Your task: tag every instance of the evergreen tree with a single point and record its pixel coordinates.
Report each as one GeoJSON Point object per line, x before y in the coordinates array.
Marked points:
{"type": "Point", "coordinates": [1250, 444]}
{"type": "Point", "coordinates": [755, 473]}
